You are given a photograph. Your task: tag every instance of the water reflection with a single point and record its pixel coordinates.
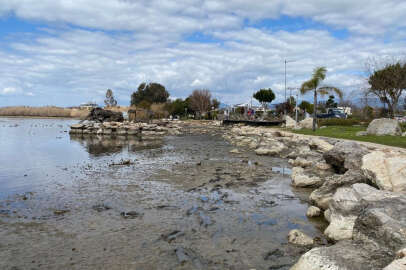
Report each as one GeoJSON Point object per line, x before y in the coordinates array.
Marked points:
{"type": "Point", "coordinates": [107, 145]}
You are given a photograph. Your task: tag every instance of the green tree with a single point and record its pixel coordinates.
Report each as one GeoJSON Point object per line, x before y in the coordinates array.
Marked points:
{"type": "Point", "coordinates": [314, 84]}
{"type": "Point", "coordinates": [177, 107]}
{"type": "Point", "coordinates": [215, 103]}
{"type": "Point", "coordinates": [292, 101]}
{"type": "Point", "coordinates": [151, 93]}
{"type": "Point", "coordinates": [306, 106]}
{"type": "Point", "coordinates": [388, 84]}
{"type": "Point", "coordinates": [264, 96]}
{"type": "Point", "coordinates": [330, 103]}
{"type": "Point", "coordinates": [110, 101]}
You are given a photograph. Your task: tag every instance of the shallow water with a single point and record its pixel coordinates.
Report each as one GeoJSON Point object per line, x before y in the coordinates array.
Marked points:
{"type": "Point", "coordinates": [182, 203]}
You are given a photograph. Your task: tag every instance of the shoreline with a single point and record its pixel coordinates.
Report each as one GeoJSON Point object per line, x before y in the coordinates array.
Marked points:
{"type": "Point", "coordinates": [344, 176]}
{"type": "Point", "coordinates": [41, 117]}
{"type": "Point", "coordinates": [181, 197]}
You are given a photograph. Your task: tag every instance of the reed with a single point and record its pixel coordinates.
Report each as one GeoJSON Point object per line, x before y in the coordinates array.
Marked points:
{"type": "Point", "coordinates": [46, 111]}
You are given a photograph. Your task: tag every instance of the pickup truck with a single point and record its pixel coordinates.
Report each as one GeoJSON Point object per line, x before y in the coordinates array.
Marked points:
{"type": "Point", "coordinates": [333, 113]}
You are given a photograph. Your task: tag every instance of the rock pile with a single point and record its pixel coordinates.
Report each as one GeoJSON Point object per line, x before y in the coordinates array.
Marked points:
{"type": "Point", "coordinates": [125, 128]}
{"type": "Point", "coordinates": [360, 189]}
{"type": "Point", "coordinates": [100, 115]}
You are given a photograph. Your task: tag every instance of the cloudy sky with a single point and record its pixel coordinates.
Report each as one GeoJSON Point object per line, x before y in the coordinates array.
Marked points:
{"type": "Point", "coordinates": [65, 52]}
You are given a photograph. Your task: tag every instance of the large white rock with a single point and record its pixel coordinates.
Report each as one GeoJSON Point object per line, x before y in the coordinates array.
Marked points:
{"type": "Point", "coordinates": [346, 205]}
{"type": "Point", "coordinates": [307, 123]}
{"type": "Point", "coordinates": [384, 126]}
{"type": "Point", "coordinates": [345, 255]}
{"type": "Point", "coordinates": [289, 122]}
{"type": "Point", "coordinates": [386, 169]}
{"type": "Point", "coordinates": [399, 264]}
{"type": "Point", "coordinates": [271, 147]}
{"type": "Point", "coordinates": [342, 219]}
{"type": "Point", "coordinates": [299, 238]}
{"type": "Point", "coordinates": [321, 145]}
{"type": "Point", "coordinates": [300, 179]}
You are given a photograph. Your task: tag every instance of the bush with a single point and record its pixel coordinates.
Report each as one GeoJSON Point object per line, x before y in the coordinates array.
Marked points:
{"type": "Point", "coordinates": [338, 122]}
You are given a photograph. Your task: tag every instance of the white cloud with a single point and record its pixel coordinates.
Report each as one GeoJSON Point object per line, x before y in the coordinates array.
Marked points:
{"type": "Point", "coordinates": [174, 17]}
{"type": "Point", "coordinates": [70, 65]}
{"type": "Point", "coordinates": [9, 90]}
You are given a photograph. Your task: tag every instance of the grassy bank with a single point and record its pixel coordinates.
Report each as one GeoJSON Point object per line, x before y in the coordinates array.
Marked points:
{"type": "Point", "coordinates": [348, 132]}
{"type": "Point", "coordinates": [47, 111]}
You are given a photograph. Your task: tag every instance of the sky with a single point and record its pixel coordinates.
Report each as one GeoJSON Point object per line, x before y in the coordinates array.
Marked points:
{"type": "Point", "coordinates": [67, 52]}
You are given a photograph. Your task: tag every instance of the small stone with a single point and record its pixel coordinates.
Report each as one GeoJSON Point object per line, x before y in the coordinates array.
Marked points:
{"type": "Point", "coordinates": [313, 211]}
{"type": "Point", "coordinates": [235, 151]}
{"type": "Point", "coordinates": [299, 238]}
{"type": "Point", "coordinates": [361, 133]}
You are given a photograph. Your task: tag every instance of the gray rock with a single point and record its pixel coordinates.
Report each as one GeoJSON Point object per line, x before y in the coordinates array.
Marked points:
{"type": "Point", "coordinates": [301, 179]}
{"type": "Point", "coordinates": [100, 115]}
{"type": "Point", "coordinates": [345, 155]}
{"type": "Point", "coordinates": [384, 126]}
{"type": "Point", "coordinates": [345, 255]}
{"type": "Point", "coordinates": [378, 235]}
{"type": "Point", "coordinates": [369, 215]}
{"type": "Point", "coordinates": [322, 196]}
{"type": "Point", "coordinates": [382, 222]}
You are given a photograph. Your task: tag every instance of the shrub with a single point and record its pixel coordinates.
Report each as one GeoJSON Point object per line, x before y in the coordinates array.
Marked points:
{"type": "Point", "coordinates": [338, 122]}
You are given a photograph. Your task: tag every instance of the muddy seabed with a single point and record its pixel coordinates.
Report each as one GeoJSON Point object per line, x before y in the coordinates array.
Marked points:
{"type": "Point", "coordinates": [183, 202]}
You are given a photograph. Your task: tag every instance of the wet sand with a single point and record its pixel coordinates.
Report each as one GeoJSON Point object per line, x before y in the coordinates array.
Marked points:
{"type": "Point", "coordinates": [183, 202]}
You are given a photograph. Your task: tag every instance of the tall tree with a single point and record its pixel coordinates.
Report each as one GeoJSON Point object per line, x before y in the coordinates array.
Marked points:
{"type": "Point", "coordinates": [330, 103]}
{"type": "Point", "coordinates": [306, 106]}
{"type": "Point", "coordinates": [314, 84]}
{"type": "Point", "coordinates": [388, 84]}
{"type": "Point", "coordinates": [110, 101]}
{"type": "Point", "coordinates": [200, 100]}
{"type": "Point", "coordinates": [151, 93]}
{"type": "Point", "coordinates": [215, 103]}
{"type": "Point", "coordinates": [264, 96]}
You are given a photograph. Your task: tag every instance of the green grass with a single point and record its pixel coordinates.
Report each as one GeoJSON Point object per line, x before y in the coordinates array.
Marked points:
{"type": "Point", "coordinates": [348, 132]}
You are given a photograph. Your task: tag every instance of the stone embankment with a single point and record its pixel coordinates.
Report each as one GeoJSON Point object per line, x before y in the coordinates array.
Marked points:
{"type": "Point", "coordinates": [125, 128]}
{"type": "Point", "coordinates": [154, 129]}
{"type": "Point", "coordinates": [360, 189]}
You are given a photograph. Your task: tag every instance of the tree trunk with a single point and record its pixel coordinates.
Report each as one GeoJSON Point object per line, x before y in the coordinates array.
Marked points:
{"type": "Point", "coordinates": [315, 110]}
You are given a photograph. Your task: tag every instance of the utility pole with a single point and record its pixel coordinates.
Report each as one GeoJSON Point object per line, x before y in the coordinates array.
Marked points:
{"type": "Point", "coordinates": [297, 102]}
{"type": "Point", "coordinates": [286, 61]}
{"type": "Point", "coordinates": [297, 97]}
{"type": "Point", "coordinates": [285, 90]}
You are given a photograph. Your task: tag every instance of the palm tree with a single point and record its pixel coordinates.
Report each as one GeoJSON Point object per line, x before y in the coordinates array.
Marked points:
{"type": "Point", "coordinates": [314, 85]}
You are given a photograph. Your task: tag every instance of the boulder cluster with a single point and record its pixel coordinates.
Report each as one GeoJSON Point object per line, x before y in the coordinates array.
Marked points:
{"type": "Point", "coordinates": [360, 189]}
{"type": "Point", "coordinates": [126, 128]}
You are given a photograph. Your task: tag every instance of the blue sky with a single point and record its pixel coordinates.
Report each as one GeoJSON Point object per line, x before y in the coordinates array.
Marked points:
{"type": "Point", "coordinates": [67, 52]}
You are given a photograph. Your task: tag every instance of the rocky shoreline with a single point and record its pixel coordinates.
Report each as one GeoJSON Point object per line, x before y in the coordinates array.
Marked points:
{"type": "Point", "coordinates": [359, 189]}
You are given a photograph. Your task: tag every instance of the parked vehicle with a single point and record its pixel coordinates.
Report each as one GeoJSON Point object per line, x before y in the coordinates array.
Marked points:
{"type": "Point", "coordinates": [333, 113]}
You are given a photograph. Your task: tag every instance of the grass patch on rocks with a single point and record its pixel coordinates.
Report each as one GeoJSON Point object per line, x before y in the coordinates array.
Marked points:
{"type": "Point", "coordinates": [349, 133]}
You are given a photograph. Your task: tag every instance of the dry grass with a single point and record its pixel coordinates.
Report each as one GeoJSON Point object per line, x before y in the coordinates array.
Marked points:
{"type": "Point", "coordinates": [47, 111]}
{"type": "Point", "coordinates": [159, 110]}
{"type": "Point", "coordinates": [118, 108]}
